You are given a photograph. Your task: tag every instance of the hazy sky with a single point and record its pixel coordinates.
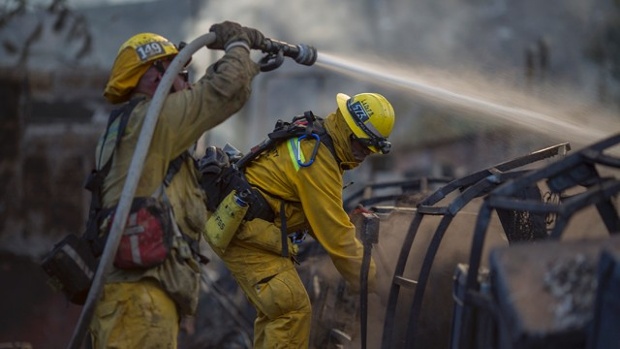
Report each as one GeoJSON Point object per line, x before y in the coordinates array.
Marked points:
{"type": "Point", "coordinates": [78, 3]}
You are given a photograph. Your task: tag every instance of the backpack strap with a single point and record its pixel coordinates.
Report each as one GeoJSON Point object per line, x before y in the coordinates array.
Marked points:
{"type": "Point", "coordinates": [95, 179]}
{"type": "Point", "coordinates": [174, 166]}
{"type": "Point", "coordinates": [316, 131]}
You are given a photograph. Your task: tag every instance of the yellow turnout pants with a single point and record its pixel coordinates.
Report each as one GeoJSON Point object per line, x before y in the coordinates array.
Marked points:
{"type": "Point", "coordinates": [272, 285]}
{"type": "Point", "coordinates": [135, 315]}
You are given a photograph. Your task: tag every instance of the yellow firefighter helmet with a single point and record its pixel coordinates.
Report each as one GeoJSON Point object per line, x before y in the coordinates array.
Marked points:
{"type": "Point", "coordinates": [370, 117]}
{"type": "Point", "coordinates": [133, 59]}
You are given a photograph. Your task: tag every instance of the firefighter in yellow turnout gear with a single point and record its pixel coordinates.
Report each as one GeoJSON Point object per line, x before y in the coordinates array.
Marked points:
{"type": "Point", "coordinates": [312, 196]}
{"type": "Point", "coordinates": [142, 307]}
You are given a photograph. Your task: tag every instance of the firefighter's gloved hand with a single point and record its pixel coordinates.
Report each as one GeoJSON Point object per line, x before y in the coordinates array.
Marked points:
{"type": "Point", "coordinates": [255, 38]}
{"type": "Point", "coordinates": [214, 160]}
{"type": "Point", "coordinates": [228, 35]}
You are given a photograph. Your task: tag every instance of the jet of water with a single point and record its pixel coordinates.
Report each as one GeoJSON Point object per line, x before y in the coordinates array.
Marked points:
{"type": "Point", "coordinates": [515, 110]}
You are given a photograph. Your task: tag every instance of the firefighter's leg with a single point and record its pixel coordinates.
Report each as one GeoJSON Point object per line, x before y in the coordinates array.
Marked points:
{"type": "Point", "coordinates": [273, 286]}
{"type": "Point", "coordinates": [135, 315]}
{"type": "Point", "coordinates": [283, 312]}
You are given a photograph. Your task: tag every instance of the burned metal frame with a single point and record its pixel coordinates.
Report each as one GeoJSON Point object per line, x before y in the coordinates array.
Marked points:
{"type": "Point", "coordinates": [577, 170]}
{"type": "Point", "coordinates": [472, 186]}
{"type": "Point", "coordinates": [406, 186]}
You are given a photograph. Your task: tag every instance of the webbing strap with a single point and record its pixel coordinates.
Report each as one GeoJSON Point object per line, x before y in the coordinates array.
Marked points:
{"type": "Point", "coordinates": [124, 113]}
{"type": "Point", "coordinates": [174, 166]}
{"type": "Point", "coordinates": [283, 228]}
{"type": "Point", "coordinates": [95, 180]}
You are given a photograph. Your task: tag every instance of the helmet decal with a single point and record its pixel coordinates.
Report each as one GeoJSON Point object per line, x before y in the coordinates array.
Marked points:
{"type": "Point", "coordinates": [357, 110]}
{"type": "Point", "coordinates": [361, 113]}
{"type": "Point", "coordinates": [149, 50]}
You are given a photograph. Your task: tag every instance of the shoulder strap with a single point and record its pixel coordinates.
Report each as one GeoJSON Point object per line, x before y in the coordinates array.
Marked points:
{"type": "Point", "coordinates": [326, 139]}
{"type": "Point", "coordinates": [174, 166]}
{"type": "Point", "coordinates": [95, 179]}
{"type": "Point", "coordinates": [123, 112]}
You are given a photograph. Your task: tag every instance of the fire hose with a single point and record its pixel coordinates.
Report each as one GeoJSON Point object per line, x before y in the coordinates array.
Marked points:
{"type": "Point", "coordinates": [275, 53]}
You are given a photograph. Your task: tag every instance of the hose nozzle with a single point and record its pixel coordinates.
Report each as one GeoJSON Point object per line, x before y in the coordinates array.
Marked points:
{"type": "Point", "coordinates": [276, 50]}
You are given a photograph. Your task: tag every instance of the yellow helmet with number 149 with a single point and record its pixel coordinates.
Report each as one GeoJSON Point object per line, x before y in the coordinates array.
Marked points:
{"type": "Point", "coordinates": [371, 118]}
{"type": "Point", "coordinates": [133, 59]}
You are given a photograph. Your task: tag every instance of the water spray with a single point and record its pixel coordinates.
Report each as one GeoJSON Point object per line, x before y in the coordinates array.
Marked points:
{"type": "Point", "coordinates": [548, 122]}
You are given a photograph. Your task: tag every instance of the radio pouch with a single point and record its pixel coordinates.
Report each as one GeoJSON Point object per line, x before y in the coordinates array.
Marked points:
{"type": "Point", "coordinates": [71, 266]}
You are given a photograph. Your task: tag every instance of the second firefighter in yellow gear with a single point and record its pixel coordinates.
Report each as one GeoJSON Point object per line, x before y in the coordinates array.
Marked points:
{"type": "Point", "coordinates": [311, 190]}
